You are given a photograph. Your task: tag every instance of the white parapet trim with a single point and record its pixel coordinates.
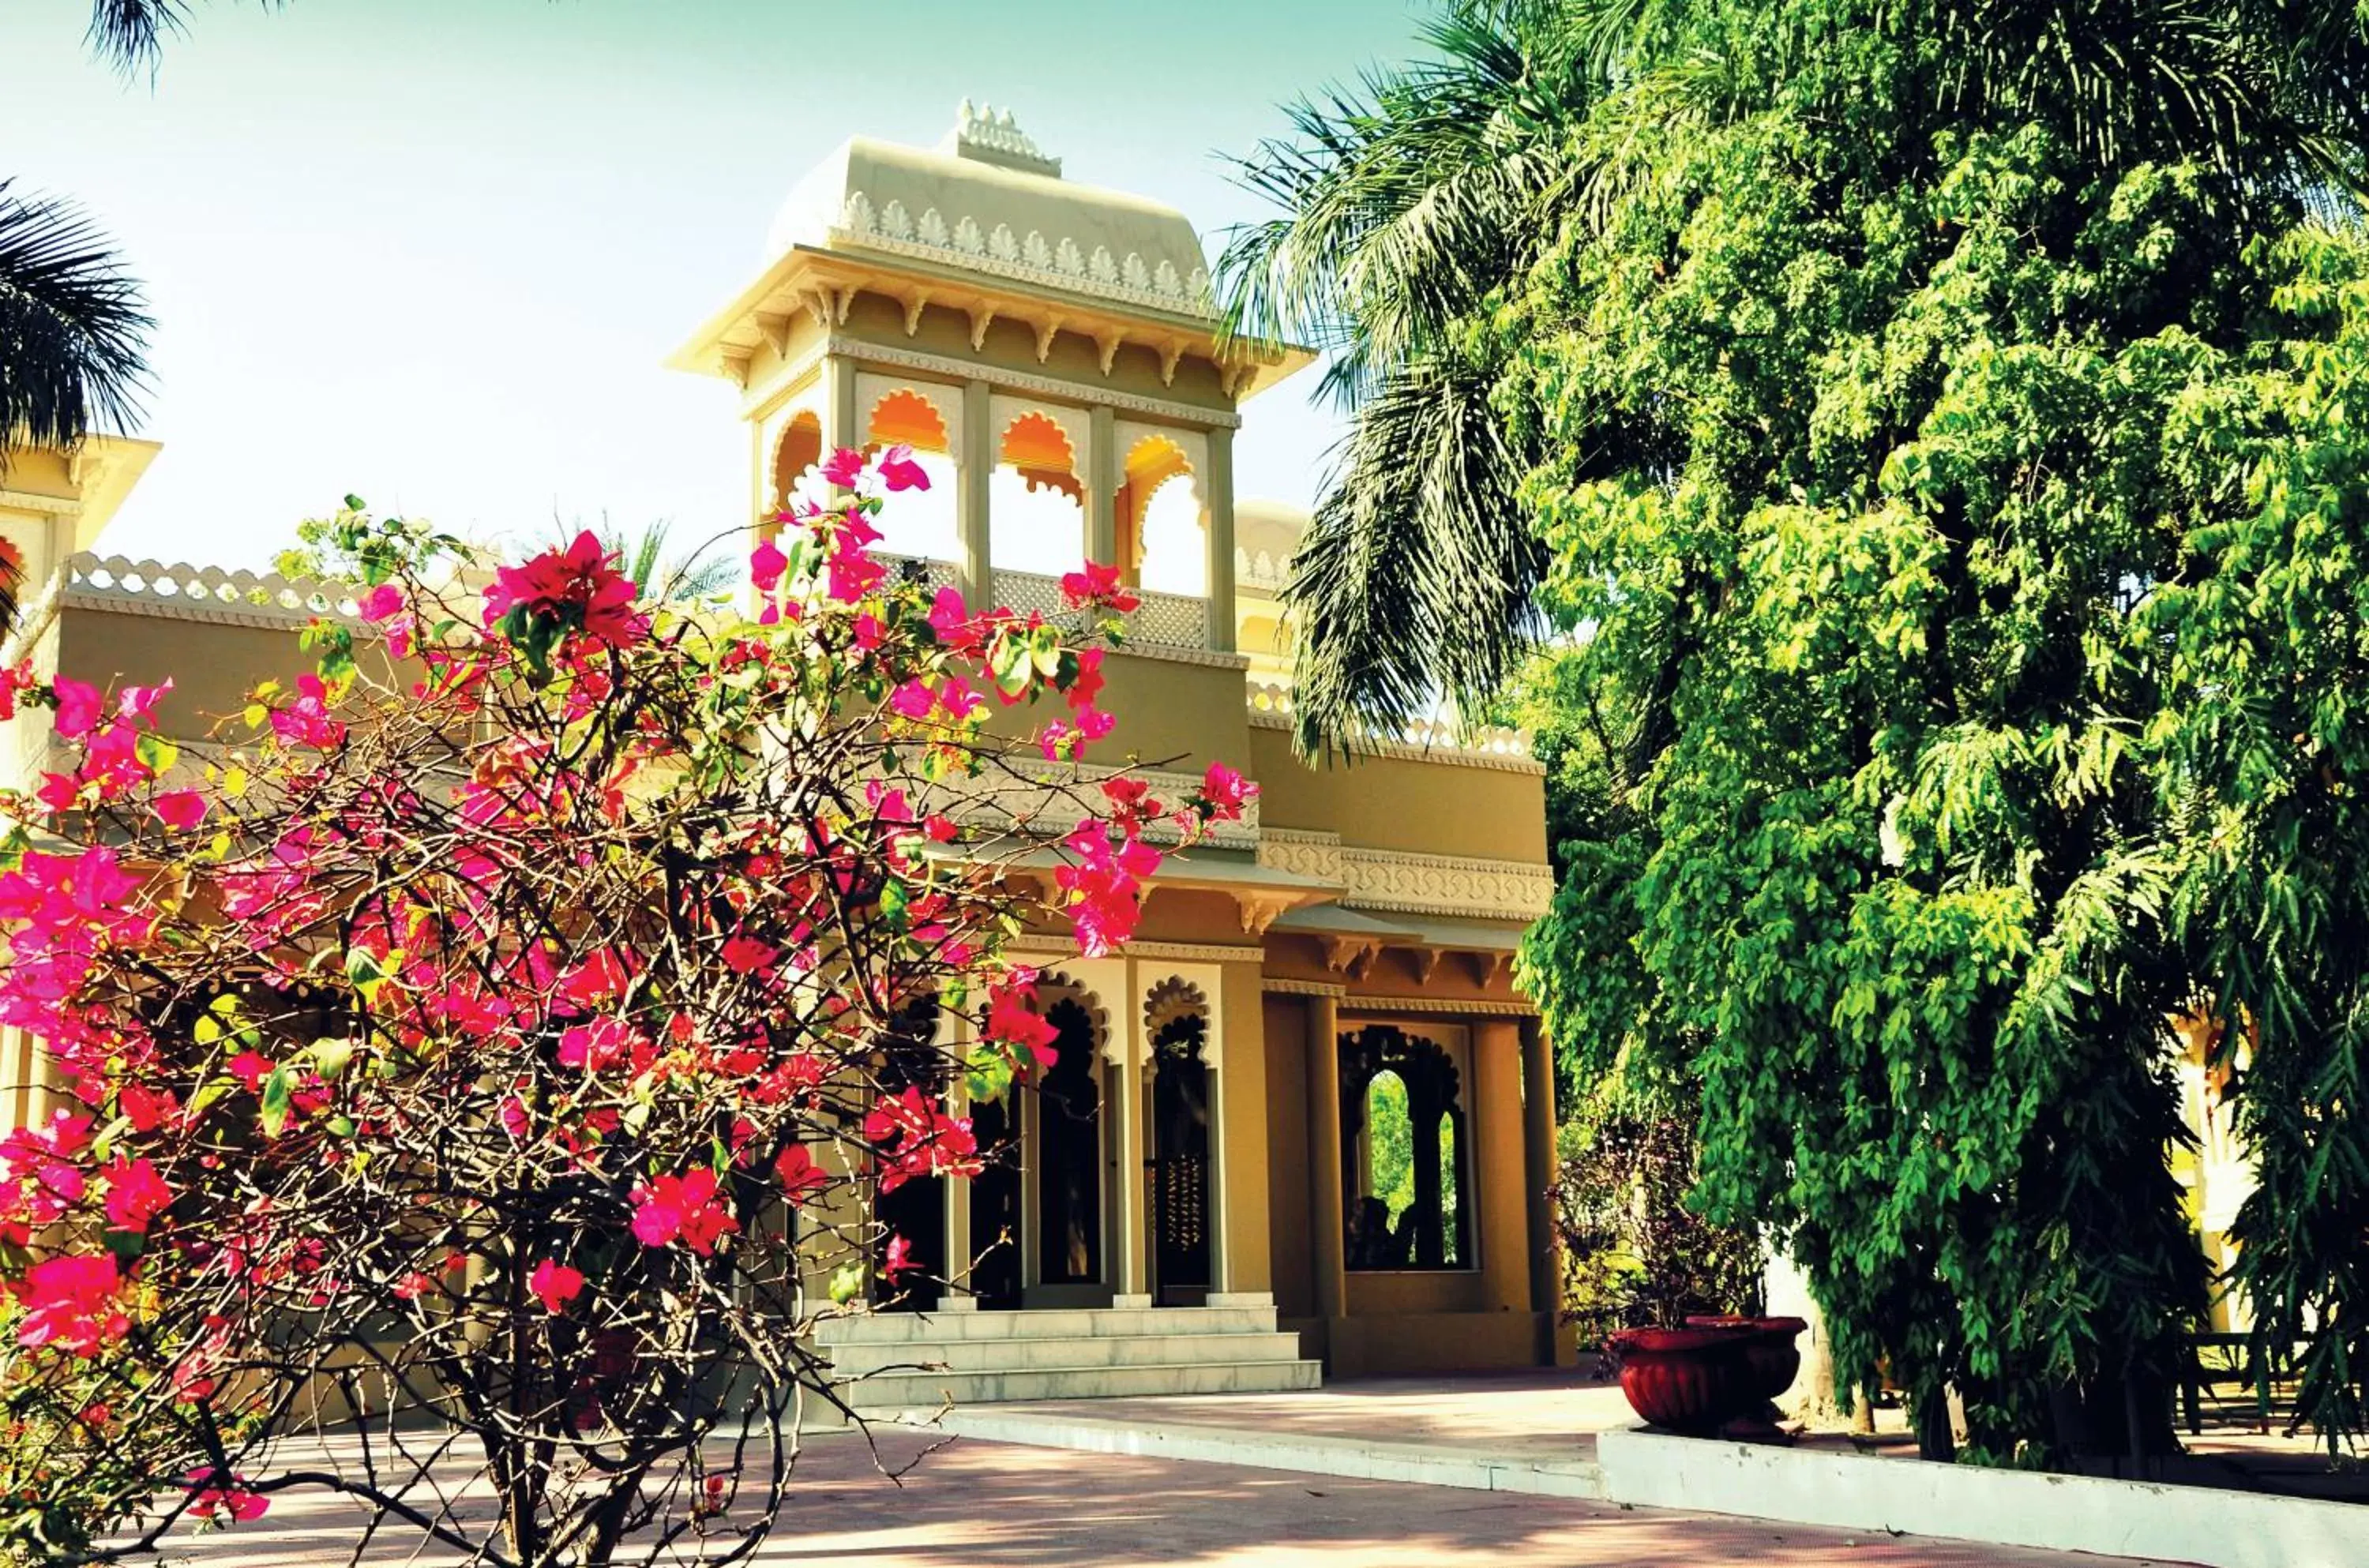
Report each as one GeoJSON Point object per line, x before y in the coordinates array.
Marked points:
{"type": "Point", "coordinates": [2201, 1525]}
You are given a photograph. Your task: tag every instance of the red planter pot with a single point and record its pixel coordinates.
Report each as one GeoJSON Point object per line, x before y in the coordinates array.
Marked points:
{"type": "Point", "coordinates": [1771, 1356]}
{"type": "Point", "coordinates": [1689, 1379]}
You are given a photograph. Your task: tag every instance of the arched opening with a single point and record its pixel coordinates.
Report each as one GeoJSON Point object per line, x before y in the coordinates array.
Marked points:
{"type": "Point", "coordinates": [1402, 1146]}
{"type": "Point", "coordinates": [919, 523]}
{"type": "Point", "coordinates": [1036, 499]}
{"type": "Point", "coordinates": [798, 460]}
{"type": "Point", "coordinates": [910, 1059]}
{"type": "Point", "coordinates": [1161, 530]}
{"type": "Point", "coordinates": [1182, 1263]}
{"type": "Point", "coordinates": [1069, 1153]}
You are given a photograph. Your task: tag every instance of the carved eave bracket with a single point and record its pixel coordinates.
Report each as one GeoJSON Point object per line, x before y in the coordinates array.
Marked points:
{"type": "Point", "coordinates": [1351, 956]}
{"type": "Point", "coordinates": [1260, 911]}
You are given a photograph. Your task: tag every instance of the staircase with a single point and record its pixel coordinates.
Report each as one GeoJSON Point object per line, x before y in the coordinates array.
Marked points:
{"type": "Point", "coordinates": [913, 1361]}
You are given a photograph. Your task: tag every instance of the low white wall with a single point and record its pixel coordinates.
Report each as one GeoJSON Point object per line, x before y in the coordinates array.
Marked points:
{"type": "Point", "coordinates": [2066, 1513]}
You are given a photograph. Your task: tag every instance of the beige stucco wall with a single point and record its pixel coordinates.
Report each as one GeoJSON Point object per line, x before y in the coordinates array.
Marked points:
{"type": "Point", "coordinates": [1399, 803]}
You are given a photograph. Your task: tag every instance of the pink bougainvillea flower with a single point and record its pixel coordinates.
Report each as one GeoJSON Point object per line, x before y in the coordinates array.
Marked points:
{"type": "Point", "coordinates": [1096, 585]}
{"type": "Point", "coordinates": [138, 703]}
{"type": "Point", "coordinates": [912, 1137]}
{"type": "Point", "coordinates": [1013, 1022]}
{"type": "Point", "coordinates": [180, 810]}
{"type": "Point", "coordinates": [78, 708]}
{"type": "Point", "coordinates": [306, 721]}
{"type": "Point", "coordinates": [745, 955]}
{"type": "Point", "coordinates": [70, 1302]}
{"type": "Point", "coordinates": [575, 589]}
{"type": "Point", "coordinates": [384, 603]}
{"type": "Point", "coordinates": [684, 1206]}
{"type": "Point", "coordinates": [1224, 794]}
{"type": "Point", "coordinates": [135, 1194]}
{"type": "Point", "coordinates": [900, 1263]}
{"type": "Point", "coordinates": [899, 472]}
{"type": "Point", "coordinates": [843, 467]}
{"type": "Point", "coordinates": [413, 1285]}
{"type": "Point", "coordinates": [800, 1175]}
{"type": "Point", "coordinates": [951, 620]}
{"type": "Point", "coordinates": [555, 1285]}
{"type": "Point", "coordinates": [766, 565]}
{"type": "Point", "coordinates": [600, 1045]}
{"type": "Point", "coordinates": [224, 1498]}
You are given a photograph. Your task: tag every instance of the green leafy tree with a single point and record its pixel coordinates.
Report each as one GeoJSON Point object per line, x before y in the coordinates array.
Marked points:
{"type": "Point", "coordinates": [1941, 424]}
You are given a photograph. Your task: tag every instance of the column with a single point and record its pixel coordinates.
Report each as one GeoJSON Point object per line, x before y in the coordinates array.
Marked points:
{"type": "Point", "coordinates": [958, 1297]}
{"type": "Point", "coordinates": [1219, 536]}
{"type": "Point", "coordinates": [973, 467]}
{"type": "Point", "coordinates": [842, 420]}
{"type": "Point", "coordinates": [1327, 1229]}
{"type": "Point", "coordinates": [1132, 1283]}
{"type": "Point", "coordinates": [1102, 487]}
{"type": "Point", "coordinates": [1539, 1161]}
{"type": "Point", "coordinates": [1499, 1166]}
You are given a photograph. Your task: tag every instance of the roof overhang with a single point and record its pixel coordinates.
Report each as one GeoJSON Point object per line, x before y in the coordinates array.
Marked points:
{"type": "Point", "coordinates": [822, 285]}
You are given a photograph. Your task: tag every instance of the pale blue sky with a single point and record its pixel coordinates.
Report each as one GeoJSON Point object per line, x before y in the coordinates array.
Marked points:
{"type": "Point", "coordinates": [432, 251]}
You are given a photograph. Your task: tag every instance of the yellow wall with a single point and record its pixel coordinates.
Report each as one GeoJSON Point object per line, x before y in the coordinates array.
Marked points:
{"type": "Point", "coordinates": [1396, 803]}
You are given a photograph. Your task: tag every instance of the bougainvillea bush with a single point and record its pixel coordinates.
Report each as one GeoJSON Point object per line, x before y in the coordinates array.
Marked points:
{"type": "Point", "coordinates": [480, 1057]}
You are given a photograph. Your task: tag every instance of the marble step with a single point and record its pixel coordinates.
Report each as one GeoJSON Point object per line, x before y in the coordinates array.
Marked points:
{"type": "Point", "coordinates": [926, 1391]}
{"type": "Point", "coordinates": [1077, 1350]}
{"type": "Point", "coordinates": [1063, 1322]}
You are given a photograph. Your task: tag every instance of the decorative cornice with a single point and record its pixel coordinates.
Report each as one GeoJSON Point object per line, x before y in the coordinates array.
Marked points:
{"type": "Point", "coordinates": [1169, 952]}
{"type": "Point", "coordinates": [863, 350]}
{"type": "Point", "coordinates": [1412, 884]}
{"type": "Point", "coordinates": [206, 594]}
{"type": "Point", "coordinates": [34, 500]}
{"type": "Point", "coordinates": [1060, 264]}
{"type": "Point", "coordinates": [1474, 1007]}
{"type": "Point", "coordinates": [1284, 985]}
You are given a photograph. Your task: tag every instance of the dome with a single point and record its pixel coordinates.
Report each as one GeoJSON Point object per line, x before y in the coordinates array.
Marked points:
{"type": "Point", "coordinates": [987, 200]}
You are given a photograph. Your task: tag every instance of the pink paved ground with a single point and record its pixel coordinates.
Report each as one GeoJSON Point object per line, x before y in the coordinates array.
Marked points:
{"type": "Point", "coordinates": [1554, 1412]}
{"type": "Point", "coordinates": [1000, 1506]}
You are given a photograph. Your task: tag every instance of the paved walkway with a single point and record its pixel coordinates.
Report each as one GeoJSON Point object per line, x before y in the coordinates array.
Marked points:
{"type": "Point", "coordinates": [978, 1504]}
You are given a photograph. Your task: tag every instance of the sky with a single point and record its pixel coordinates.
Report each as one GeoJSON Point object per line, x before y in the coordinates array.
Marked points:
{"type": "Point", "coordinates": [432, 252]}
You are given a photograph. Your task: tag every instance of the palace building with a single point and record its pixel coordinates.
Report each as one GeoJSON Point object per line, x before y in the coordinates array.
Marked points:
{"type": "Point", "coordinates": [1305, 1119]}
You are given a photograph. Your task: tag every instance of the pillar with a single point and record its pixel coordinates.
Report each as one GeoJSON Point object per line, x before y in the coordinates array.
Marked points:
{"type": "Point", "coordinates": [1539, 1161]}
{"type": "Point", "coordinates": [958, 1297]}
{"type": "Point", "coordinates": [1327, 1229]}
{"type": "Point", "coordinates": [974, 465]}
{"type": "Point", "coordinates": [842, 420]}
{"type": "Point", "coordinates": [1132, 1282]}
{"type": "Point", "coordinates": [1499, 1165]}
{"type": "Point", "coordinates": [1219, 538]}
{"type": "Point", "coordinates": [1102, 487]}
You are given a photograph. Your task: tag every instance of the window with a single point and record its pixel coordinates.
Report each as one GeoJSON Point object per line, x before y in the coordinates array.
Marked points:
{"type": "Point", "coordinates": [1402, 1147]}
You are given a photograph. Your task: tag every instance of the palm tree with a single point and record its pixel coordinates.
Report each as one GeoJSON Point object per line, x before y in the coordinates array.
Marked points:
{"type": "Point", "coordinates": [73, 328]}
{"type": "Point", "coordinates": [131, 34]}
{"type": "Point", "coordinates": [655, 570]}
{"type": "Point", "coordinates": [1413, 206]}
{"type": "Point", "coordinates": [1409, 204]}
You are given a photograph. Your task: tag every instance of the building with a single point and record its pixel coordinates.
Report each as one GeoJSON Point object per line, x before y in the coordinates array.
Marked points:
{"type": "Point", "coordinates": [1308, 1097]}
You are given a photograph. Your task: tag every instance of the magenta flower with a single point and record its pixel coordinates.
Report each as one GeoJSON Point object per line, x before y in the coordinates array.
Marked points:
{"type": "Point", "coordinates": [555, 1285]}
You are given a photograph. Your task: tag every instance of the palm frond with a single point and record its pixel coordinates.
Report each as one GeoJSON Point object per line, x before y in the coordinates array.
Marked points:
{"type": "Point", "coordinates": [131, 35]}
{"type": "Point", "coordinates": [73, 326]}
{"type": "Point", "coordinates": [1414, 582]}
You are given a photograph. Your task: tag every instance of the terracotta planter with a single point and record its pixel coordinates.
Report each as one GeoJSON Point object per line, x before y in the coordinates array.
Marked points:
{"type": "Point", "coordinates": [1771, 1358]}
{"type": "Point", "coordinates": [1689, 1379]}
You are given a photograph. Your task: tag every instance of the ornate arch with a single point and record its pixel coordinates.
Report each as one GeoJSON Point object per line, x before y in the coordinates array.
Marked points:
{"type": "Point", "coordinates": [1171, 1000]}
{"type": "Point", "coordinates": [1053, 986]}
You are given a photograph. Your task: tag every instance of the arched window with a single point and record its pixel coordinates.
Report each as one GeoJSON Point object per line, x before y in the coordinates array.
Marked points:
{"type": "Point", "coordinates": [920, 524]}
{"type": "Point", "coordinates": [1036, 499]}
{"type": "Point", "coordinates": [1402, 1147]}
{"type": "Point", "coordinates": [1160, 524]}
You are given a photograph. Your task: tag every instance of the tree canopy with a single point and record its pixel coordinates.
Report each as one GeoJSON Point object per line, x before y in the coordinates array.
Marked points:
{"type": "Point", "coordinates": [1940, 461]}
